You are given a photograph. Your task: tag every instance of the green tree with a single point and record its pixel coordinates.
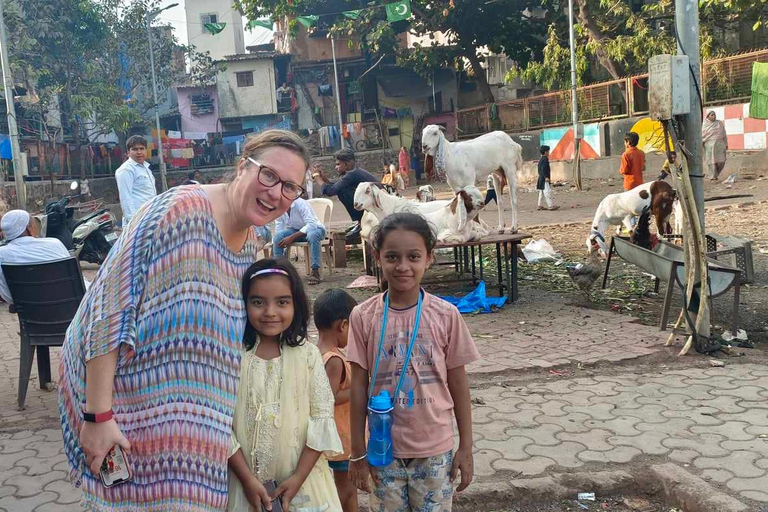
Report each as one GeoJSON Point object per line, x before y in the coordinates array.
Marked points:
{"type": "Point", "coordinates": [621, 40]}
{"type": "Point", "coordinates": [470, 27]}
{"type": "Point", "coordinates": [90, 58]}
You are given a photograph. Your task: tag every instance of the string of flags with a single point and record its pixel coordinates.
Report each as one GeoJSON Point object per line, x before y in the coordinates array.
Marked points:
{"type": "Point", "coordinates": [396, 11]}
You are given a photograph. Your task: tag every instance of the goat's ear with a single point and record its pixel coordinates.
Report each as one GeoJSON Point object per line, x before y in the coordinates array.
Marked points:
{"type": "Point", "coordinates": [461, 210]}
{"type": "Point", "coordinates": [375, 193]}
{"type": "Point", "coordinates": [442, 128]}
{"type": "Point", "coordinates": [453, 204]}
{"type": "Point", "coordinates": [467, 201]}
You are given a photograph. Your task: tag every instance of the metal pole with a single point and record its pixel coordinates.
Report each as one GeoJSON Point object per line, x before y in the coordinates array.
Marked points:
{"type": "Point", "coordinates": [163, 180]}
{"type": "Point", "coordinates": [687, 27]}
{"type": "Point", "coordinates": [574, 101]}
{"type": "Point", "coordinates": [338, 98]}
{"type": "Point", "coordinates": [13, 130]}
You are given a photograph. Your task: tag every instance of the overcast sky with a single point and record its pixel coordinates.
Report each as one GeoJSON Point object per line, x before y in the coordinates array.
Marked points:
{"type": "Point", "coordinates": [176, 17]}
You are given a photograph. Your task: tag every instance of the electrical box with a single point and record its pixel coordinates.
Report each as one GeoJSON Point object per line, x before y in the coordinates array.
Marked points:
{"type": "Point", "coordinates": [669, 86]}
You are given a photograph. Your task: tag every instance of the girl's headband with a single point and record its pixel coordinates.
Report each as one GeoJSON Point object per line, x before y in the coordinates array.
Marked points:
{"type": "Point", "coordinates": [270, 271]}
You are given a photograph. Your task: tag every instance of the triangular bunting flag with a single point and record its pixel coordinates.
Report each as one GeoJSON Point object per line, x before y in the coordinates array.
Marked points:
{"type": "Point", "coordinates": [398, 11]}
{"type": "Point", "coordinates": [214, 28]}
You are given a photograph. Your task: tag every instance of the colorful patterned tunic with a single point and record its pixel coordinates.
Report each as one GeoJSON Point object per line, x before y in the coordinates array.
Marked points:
{"type": "Point", "coordinates": [169, 299]}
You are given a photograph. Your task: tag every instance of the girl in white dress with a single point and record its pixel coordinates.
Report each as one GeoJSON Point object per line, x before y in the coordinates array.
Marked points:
{"type": "Point", "coordinates": [284, 416]}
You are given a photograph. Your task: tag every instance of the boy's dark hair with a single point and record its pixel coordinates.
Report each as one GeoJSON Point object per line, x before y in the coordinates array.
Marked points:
{"type": "Point", "coordinates": [407, 221]}
{"type": "Point", "coordinates": [543, 149]}
{"type": "Point", "coordinates": [345, 155]}
{"type": "Point", "coordinates": [632, 138]}
{"type": "Point", "coordinates": [332, 305]}
{"type": "Point", "coordinates": [135, 140]}
{"type": "Point", "coordinates": [296, 333]}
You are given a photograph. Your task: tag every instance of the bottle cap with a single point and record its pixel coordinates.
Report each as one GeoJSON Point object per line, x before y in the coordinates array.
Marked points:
{"type": "Point", "coordinates": [381, 402]}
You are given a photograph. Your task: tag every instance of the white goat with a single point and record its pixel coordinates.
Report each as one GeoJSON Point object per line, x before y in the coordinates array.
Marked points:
{"type": "Point", "coordinates": [369, 197]}
{"type": "Point", "coordinates": [425, 194]}
{"type": "Point", "coordinates": [455, 223]}
{"type": "Point", "coordinates": [464, 163]}
{"type": "Point", "coordinates": [621, 208]}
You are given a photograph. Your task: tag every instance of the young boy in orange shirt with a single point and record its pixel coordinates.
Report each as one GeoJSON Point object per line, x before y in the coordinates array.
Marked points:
{"type": "Point", "coordinates": [632, 162]}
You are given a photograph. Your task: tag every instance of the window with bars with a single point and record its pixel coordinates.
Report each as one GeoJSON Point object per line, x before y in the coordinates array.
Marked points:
{"type": "Point", "coordinates": [208, 18]}
{"type": "Point", "coordinates": [244, 78]}
{"type": "Point", "coordinates": [200, 104]}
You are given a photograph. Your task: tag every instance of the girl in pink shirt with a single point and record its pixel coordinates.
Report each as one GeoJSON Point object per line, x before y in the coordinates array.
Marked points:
{"type": "Point", "coordinates": [434, 387]}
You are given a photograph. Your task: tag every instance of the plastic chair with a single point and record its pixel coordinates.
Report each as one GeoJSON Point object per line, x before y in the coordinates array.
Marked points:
{"type": "Point", "coordinates": [46, 297]}
{"type": "Point", "coordinates": [323, 208]}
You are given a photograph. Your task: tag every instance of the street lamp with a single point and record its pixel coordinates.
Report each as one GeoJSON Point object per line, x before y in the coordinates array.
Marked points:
{"type": "Point", "coordinates": [151, 16]}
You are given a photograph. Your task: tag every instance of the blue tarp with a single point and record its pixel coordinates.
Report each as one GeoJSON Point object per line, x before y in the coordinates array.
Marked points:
{"type": "Point", "coordinates": [476, 301]}
{"type": "Point", "coordinates": [5, 147]}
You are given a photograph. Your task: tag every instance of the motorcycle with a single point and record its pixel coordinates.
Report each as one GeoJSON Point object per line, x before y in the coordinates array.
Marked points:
{"type": "Point", "coordinates": [89, 238]}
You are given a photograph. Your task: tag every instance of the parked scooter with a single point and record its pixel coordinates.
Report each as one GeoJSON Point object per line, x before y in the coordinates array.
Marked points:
{"type": "Point", "coordinates": [89, 238]}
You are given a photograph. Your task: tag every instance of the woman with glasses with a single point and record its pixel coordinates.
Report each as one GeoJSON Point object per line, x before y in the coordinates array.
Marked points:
{"type": "Point", "coordinates": [151, 360]}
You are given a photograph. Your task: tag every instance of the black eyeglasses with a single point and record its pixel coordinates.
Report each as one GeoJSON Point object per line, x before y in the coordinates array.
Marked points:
{"type": "Point", "coordinates": [269, 178]}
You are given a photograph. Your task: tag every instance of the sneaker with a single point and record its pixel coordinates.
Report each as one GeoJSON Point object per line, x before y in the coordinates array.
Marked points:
{"type": "Point", "coordinates": [540, 208]}
{"type": "Point", "coordinates": [553, 208]}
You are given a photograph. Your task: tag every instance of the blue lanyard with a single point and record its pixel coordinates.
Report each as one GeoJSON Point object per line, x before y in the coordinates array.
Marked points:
{"type": "Point", "coordinates": [381, 347]}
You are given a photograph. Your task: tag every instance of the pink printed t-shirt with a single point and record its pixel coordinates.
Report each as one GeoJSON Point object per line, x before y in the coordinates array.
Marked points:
{"type": "Point", "coordinates": [426, 428]}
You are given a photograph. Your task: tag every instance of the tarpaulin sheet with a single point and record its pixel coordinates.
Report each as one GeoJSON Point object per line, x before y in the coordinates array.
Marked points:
{"type": "Point", "coordinates": [476, 301]}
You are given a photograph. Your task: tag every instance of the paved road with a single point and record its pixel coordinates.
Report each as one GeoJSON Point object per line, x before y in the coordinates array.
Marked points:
{"type": "Point", "coordinates": [715, 421]}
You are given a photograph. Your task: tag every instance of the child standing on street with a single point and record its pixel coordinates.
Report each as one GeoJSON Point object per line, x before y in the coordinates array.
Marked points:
{"type": "Point", "coordinates": [331, 312]}
{"type": "Point", "coordinates": [544, 185]}
{"type": "Point", "coordinates": [413, 346]}
{"type": "Point", "coordinates": [283, 419]}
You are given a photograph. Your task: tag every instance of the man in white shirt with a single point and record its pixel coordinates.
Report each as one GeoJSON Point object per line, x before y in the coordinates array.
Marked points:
{"type": "Point", "coordinates": [135, 181]}
{"type": "Point", "coordinates": [23, 247]}
{"type": "Point", "coordinates": [300, 224]}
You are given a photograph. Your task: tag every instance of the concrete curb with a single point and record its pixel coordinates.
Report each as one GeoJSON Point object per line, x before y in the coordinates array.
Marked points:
{"type": "Point", "coordinates": [693, 494]}
{"type": "Point", "coordinates": [681, 489]}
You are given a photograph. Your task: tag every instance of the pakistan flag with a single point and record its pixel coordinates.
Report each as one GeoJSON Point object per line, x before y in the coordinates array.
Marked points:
{"type": "Point", "coordinates": [398, 11]}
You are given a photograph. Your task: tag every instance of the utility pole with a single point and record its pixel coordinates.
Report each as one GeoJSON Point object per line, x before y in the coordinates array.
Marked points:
{"type": "Point", "coordinates": [687, 28]}
{"type": "Point", "coordinates": [13, 129]}
{"type": "Point", "coordinates": [150, 16]}
{"type": "Point", "coordinates": [574, 102]}
{"type": "Point", "coordinates": [338, 100]}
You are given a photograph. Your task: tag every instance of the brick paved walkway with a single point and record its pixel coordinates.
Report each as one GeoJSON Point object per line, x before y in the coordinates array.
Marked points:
{"type": "Point", "coordinates": [714, 420]}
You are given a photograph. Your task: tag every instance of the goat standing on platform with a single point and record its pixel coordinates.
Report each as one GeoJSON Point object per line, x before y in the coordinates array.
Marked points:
{"type": "Point", "coordinates": [463, 163]}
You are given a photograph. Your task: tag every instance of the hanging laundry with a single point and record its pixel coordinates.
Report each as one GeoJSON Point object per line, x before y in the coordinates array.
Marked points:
{"type": "Point", "coordinates": [325, 90]}
{"type": "Point", "coordinates": [758, 107]}
{"type": "Point", "coordinates": [196, 135]}
{"type": "Point", "coordinates": [188, 153]}
{"type": "Point", "coordinates": [172, 134]}
{"type": "Point", "coordinates": [404, 162]}
{"type": "Point", "coordinates": [176, 153]}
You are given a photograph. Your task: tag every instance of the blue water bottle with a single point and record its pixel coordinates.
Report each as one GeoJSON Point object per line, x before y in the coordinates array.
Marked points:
{"type": "Point", "coordinates": [380, 451]}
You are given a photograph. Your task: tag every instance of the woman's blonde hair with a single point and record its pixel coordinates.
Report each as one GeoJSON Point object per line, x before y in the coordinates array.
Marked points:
{"type": "Point", "coordinates": [256, 144]}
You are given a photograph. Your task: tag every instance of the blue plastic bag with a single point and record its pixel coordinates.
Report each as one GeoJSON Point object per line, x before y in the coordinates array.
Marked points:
{"type": "Point", "coordinates": [476, 301]}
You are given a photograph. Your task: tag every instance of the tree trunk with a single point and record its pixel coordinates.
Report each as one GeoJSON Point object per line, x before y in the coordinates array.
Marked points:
{"type": "Point", "coordinates": [480, 76]}
{"type": "Point", "coordinates": [596, 36]}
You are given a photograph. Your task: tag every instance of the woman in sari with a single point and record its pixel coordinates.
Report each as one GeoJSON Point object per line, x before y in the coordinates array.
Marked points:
{"type": "Point", "coordinates": [715, 145]}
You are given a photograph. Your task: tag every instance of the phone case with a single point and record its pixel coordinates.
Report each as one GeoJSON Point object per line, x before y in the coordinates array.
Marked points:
{"type": "Point", "coordinates": [271, 487]}
{"type": "Point", "coordinates": [115, 468]}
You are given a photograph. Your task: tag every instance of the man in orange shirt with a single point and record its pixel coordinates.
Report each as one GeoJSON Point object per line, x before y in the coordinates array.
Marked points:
{"type": "Point", "coordinates": [632, 162]}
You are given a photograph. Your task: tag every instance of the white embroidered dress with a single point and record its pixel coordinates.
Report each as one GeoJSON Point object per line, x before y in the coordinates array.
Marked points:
{"type": "Point", "coordinates": [283, 405]}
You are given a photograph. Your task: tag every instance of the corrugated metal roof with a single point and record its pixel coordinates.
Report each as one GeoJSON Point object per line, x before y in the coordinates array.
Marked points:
{"type": "Point", "coordinates": [250, 56]}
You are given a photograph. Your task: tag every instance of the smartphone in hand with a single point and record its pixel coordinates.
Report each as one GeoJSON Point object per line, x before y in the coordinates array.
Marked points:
{"type": "Point", "coordinates": [115, 468]}
{"type": "Point", "coordinates": [277, 505]}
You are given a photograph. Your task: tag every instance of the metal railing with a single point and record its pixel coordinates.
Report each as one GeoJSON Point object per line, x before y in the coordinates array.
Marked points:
{"type": "Point", "coordinates": [724, 80]}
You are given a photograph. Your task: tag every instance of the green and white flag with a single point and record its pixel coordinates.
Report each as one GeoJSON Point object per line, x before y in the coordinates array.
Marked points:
{"type": "Point", "coordinates": [398, 11]}
{"type": "Point", "coordinates": [308, 20]}
{"type": "Point", "coordinates": [353, 15]}
{"type": "Point", "coordinates": [260, 23]}
{"type": "Point", "coordinates": [214, 28]}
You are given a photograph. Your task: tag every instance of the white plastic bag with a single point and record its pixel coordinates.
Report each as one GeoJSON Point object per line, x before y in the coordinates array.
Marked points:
{"type": "Point", "coordinates": [539, 250]}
